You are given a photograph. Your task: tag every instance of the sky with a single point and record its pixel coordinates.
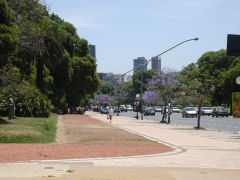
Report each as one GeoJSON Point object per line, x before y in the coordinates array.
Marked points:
{"type": "Point", "coordinates": [123, 30]}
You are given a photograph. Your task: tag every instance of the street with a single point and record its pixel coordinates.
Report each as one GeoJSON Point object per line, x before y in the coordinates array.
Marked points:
{"type": "Point", "coordinates": [220, 123]}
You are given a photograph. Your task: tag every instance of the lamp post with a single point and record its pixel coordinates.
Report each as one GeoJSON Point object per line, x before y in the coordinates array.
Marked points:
{"type": "Point", "coordinates": [145, 64]}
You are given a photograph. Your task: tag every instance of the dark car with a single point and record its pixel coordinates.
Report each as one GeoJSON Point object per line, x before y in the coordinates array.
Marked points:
{"type": "Point", "coordinates": [206, 111]}
{"type": "Point", "coordinates": [219, 111]}
{"type": "Point", "coordinates": [189, 112]}
{"type": "Point", "coordinates": [149, 111]}
{"type": "Point", "coordinates": [104, 111]}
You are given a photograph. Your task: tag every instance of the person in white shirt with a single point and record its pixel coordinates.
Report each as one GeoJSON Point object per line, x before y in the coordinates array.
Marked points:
{"type": "Point", "coordinates": [110, 113]}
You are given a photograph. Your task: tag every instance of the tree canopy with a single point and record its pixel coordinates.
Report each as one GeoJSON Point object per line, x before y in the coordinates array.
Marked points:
{"type": "Point", "coordinates": [50, 58]}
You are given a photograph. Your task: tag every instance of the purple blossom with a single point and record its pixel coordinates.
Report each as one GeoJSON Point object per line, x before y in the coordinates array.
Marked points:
{"type": "Point", "coordinates": [151, 97]}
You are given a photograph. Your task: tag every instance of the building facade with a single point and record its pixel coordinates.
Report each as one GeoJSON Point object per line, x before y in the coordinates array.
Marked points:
{"type": "Point", "coordinates": [114, 78]}
{"type": "Point", "coordinates": [156, 63]}
{"type": "Point", "coordinates": [92, 50]}
{"type": "Point", "coordinates": [139, 64]}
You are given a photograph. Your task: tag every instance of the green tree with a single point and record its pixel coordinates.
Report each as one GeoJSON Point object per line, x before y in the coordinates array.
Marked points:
{"type": "Point", "coordinates": [8, 33]}
{"type": "Point", "coordinates": [195, 87]}
{"type": "Point", "coordinates": [215, 64]}
{"type": "Point", "coordinates": [106, 88]}
{"type": "Point", "coordinates": [229, 81]}
{"type": "Point", "coordinates": [85, 80]}
{"type": "Point", "coordinates": [147, 74]}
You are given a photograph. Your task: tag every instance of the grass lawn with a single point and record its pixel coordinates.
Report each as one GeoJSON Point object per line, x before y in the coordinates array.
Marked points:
{"type": "Point", "coordinates": [28, 130]}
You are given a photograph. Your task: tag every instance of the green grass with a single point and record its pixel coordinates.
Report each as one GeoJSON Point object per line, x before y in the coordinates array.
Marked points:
{"type": "Point", "coordinates": [28, 130]}
{"type": "Point", "coordinates": [102, 139]}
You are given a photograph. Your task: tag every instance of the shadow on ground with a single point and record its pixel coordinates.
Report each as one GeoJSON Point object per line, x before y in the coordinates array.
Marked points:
{"type": "Point", "coordinates": [2, 121]}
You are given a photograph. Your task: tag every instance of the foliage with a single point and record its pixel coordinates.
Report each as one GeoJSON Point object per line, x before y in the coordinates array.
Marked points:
{"type": "Point", "coordinates": [50, 57]}
{"type": "Point", "coordinates": [147, 74]}
{"type": "Point", "coordinates": [163, 84]}
{"type": "Point", "coordinates": [106, 88]}
{"type": "Point", "coordinates": [195, 87]}
{"type": "Point", "coordinates": [151, 98]}
{"type": "Point", "coordinates": [29, 130]}
{"type": "Point", "coordinates": [214, 64]}
{"type": "Point", "coordinates": [8, 33]}
{"type": "Point", "coordinates": [84, 80]}
{"type": "Point", "coordinates": [28, 100]}
{"type": "Point", "coordinates": [101, 99]}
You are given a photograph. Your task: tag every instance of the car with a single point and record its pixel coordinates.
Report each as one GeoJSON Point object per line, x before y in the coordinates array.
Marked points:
{"type": "Point", "coordinates": [206, 111]}
{"type": "Point", "coordinates": [129, 108]}
{"type": "Point", "coordinates": [219, 111]}
{"type": "Point", "coordinates": [158, 109]}
{"type": "Point", "coordinates": [104, 110]}
{"type": "Point", "coordinates": [189, 112]}
{"type": "Point", "coordinates": [175, 110]}
{"type": "Point", "coordinates": [149, 111]}
{"type": "Point", "coordinates": [123, 108]}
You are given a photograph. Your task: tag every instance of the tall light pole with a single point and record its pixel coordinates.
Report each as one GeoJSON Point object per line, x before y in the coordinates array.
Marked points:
{"type": "Point", "coordinates": [145, 64]}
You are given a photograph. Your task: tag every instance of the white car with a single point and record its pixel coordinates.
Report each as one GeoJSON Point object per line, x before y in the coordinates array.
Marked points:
{"type": "Point", "coordinates": [175, 110]}
{"type": "Point", "coordinates": [129, 108]}
{"type": "Point", "coordinates": [189, 112]}
{"type": "Point", "coordinates": [206, 111]}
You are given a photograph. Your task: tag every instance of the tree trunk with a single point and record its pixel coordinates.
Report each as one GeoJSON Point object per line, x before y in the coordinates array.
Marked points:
{"type": "Point", "coordinates": [199, 116]}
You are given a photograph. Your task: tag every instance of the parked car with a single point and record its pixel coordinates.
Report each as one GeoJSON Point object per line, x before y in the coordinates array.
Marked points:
{"type": "Point", "coordinates": [219, 111]}
{"type": "Point", "coordinates": [158, 109]}
{"type": "Point", "coordinates": [104, 110]}
{"type": "Point", "coordinates": [129, 108]}
{"type": "Point", "coordinates": [149, 111]}
{"type": "Point", "coordinates": [189, 112]}
{"type": "Point", "coordinates": [123, 108]}
{"type": "Point", "coordinates": [206, 111]}
{"type": "Point", "coordinates": [175, 110]}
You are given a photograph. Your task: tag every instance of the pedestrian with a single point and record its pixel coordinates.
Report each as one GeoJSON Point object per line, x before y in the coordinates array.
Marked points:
{"type": "Point", "coordinates": [110, 113]}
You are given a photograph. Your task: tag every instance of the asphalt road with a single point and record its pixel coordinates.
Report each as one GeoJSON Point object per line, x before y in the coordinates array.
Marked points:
{"type": "Point", "coordinates": [221, 123]}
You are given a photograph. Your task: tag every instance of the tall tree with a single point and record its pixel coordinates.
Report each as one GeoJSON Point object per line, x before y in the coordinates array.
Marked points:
{"type": "Point", "coordinates": [195, 87]}
{"type": "Point", "coordinates": [215, 64]}
{"type": "Point", "coordinates": [8, 33]}
{"type": "Point", "coordinates": [84, 81]}
{"type": "Point", "coordinates": [164, 83]}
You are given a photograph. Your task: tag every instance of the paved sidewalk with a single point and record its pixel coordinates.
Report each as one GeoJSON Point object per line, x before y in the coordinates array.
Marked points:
{"type": "Point", "coordinates": [193, 148]}
{"type": "Point", "coordinates": [199, 154]}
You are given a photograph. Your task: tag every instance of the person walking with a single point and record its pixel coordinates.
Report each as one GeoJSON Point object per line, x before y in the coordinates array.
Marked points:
{"type": "Point", "coordinates": [110, 114]}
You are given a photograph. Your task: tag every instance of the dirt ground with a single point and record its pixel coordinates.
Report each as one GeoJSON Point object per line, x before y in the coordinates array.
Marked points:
{"type": "Point", "coordinates": [79, 136]}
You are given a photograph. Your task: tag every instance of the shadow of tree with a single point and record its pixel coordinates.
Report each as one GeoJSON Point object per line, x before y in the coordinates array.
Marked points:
{"type": "Point", "coordinates": [2, 121]}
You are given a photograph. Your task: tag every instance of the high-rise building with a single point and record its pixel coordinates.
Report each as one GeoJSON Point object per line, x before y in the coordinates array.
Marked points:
{"type": "Point", "coordinates": [139, 64]}
{"type": "Point", "coordinates": [92, 50]}
{"type": "Point", "coordinates": [156, 63]}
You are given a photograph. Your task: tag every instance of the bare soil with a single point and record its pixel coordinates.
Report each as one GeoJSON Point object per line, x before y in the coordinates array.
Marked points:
{"type": "Point", "coordinates": [79, 136]}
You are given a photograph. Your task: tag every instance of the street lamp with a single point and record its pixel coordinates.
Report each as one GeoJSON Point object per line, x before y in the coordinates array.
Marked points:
{"type": "Point", "coordinates": [145, 64]}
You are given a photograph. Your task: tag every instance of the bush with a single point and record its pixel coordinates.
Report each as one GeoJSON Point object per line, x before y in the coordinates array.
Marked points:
{"type": "Point", "coordinates": [29, 101]}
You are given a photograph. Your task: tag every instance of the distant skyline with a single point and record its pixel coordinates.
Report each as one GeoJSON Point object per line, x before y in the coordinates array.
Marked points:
{"type": "Point", "coordinates": [123, 30]}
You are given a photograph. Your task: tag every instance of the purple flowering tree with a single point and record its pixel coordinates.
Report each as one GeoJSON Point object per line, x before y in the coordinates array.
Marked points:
{"type": "Point", "coordinates": [101, 100]}
{"type": "Point", "coordinates": [151, 98]}
{"type": "Point", "coordinates": [163, 83]}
